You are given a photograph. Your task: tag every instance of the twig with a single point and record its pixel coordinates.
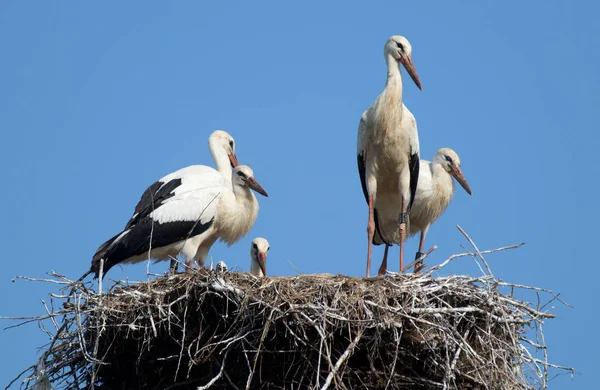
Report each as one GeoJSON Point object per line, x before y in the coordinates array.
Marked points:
{"type": "Point", "coordinates": [216, 377]}
{"type": "Point", "coordinates": [341, 361]}
{"type": "Point", "coordinates": [422, 257]}
{"type": "Point", "coordinates": [489, 270]}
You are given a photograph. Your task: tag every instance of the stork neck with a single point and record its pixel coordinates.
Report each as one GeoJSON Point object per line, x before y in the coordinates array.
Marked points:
{"type": "Point", "coordinates": [442, 180]}
{"type": "Point", "coordinates": [394, 78]}
{"type": "Point", "coordinates": [255, 268]}
{"type": "Point", "coordinates": [221, 160]}
{"type": "Point", "coordinates": [243, 196]}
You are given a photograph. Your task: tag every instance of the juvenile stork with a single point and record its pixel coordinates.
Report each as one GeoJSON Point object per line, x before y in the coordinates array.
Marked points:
{"type": "Point", "coordinates": [222, 148]}
{"type": "Point", "coordinates": [388, 150]}
{"type": "Point", "coordinates": [258, 256]}
{"type": "Point", "coordinates": [188, 222]}
{"type": "Point", "coordinates": [434, 193]}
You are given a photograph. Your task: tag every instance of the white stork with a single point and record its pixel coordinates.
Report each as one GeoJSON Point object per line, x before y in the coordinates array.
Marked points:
{"type": "Point", "coordinates": [388, 150]}
{"type": "Point", "coordinates": [222, 148]}
{"type": "Point", "coordinates": [434, 193]}
{"type": "Point", "coordinates": [189, 222]}
{"type": "Point", "coordinates": [258, 256]}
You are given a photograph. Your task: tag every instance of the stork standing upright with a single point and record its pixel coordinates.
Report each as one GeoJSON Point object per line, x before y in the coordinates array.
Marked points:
{"type": "Point", "coordinates": [222, 148]}
{"type": "Point", "coordinates": [190, 221]}
{"type": "Point", "coordinates": [258, 256]}
{"type": "Point", "coordinates": [388, 149]}
{"type": "Point", "coordinates": [434, 193]}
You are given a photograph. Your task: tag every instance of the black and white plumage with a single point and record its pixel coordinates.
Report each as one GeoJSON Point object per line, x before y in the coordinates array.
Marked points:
{"type": "Point", "coordinates": [194, 215]}
{"type": "Point", "coordinates": [388, 151]}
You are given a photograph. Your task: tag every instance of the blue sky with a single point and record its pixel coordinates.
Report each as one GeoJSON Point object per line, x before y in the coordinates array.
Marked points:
{"type": "Point", "coordinates": [100, 100]}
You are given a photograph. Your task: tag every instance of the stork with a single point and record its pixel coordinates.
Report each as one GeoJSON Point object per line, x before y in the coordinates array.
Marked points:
{"type": "Point", "coordinates": [221, 268]}
{"type": "Point", "coordinates": [258, 256]}
{"type": "Point", "coordinates": [434, 192]}
{"type": "Point", "coordinates": [222, 148]}
{"type": "Point", "coordinates": [388, 150]}
{"type": "Point", "coordinates": [188, 222]}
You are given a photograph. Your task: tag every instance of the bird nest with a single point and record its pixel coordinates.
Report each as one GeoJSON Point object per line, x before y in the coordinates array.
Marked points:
{"type": "Point", "coordinates": [236, 331]}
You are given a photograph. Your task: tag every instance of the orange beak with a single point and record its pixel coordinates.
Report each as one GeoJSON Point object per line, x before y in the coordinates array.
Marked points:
{"type": "Point", "coordinates": [262, 262]}
{"type": "Point", "coordinates": [406, 61]}
{"type": "Point", "coordinates": [233, 160]}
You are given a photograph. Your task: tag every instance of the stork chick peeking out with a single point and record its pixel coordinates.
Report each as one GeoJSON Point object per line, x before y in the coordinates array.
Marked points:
{"type": "Point", "coordinates": [258, 256]}
{"type": "Point", "coordinates": [388, 150]}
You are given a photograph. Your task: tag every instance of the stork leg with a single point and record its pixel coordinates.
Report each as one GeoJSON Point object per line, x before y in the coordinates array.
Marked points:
{"type": "Point", "coordinates": [383, 267]}
{"type": "Point", "coordinates": [189, 265]}
{"type": "Point", "coordinates": [402, 231]}
{"type": "Point", "coordinates": [419, 265]}
{"type": "Point", "coordinates": [370, 233]}
{"type": "Point", "coordinates": [173, 266]}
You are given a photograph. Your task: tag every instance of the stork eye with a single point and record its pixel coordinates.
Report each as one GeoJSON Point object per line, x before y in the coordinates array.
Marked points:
{"type": "Point", "coordinates": [268, 248]}
{"type": "Point", "coordinates": [242, 174]}
{"type": "Point", "coordinates": [255, 246]}
{"type": "Point", "coordinates": [231, 144]}
{"type": "Point", "coordinates": [449, 159]}
{"type": "Point", "coordinates": [400, 46]}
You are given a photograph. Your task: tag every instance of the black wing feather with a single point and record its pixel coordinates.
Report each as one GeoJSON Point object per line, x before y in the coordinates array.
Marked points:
{"type": "Point", "coordinates": [151, 199]}
{"type": "Point", "coordinates": [414, 166]}
{"type": "Point", "coordinates": [137, 241]}
{"type": "Point", "coordinates": [363, 173]}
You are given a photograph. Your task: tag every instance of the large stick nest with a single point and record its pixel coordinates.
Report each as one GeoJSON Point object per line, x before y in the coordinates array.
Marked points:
{"type": "Point", "coordinates": [234, 330]}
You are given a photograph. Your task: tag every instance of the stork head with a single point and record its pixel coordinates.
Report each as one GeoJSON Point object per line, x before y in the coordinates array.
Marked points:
{"type": "Point", "coordinates": [448, 159]}
{"type": "Point", "coordinates": [400, 49]}
{"type": "Point", "coordinates": [222, 140]}
{"type": "Point", "coordinates": [244, 177]}
{"type": "Point", "coordinates": [221, 267]}
{"type": "Point", "coordinates": [258, 255]}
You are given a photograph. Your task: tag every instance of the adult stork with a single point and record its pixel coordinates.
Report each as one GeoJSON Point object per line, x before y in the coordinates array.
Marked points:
{"type": "Point", "coordinates": [388, 149]}
{"type": "Point", "coordinates": [189, 222]}
{"type": "Point", "coordinates": [258, 256]}
{"type": "Point", "coordinates": [434, 193]}
{"type": "Point", "coordinates": [222, 148]}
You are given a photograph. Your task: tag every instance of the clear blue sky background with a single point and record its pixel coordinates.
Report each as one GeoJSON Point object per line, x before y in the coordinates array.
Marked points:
{"type": "Point", "coordinates": [98, 101]}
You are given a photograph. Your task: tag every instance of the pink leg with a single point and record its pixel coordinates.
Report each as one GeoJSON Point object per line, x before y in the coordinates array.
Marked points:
{"type": "Point", "coordinates": [370, 233]}
{"type": "Point", "coordinates": [189, 265]}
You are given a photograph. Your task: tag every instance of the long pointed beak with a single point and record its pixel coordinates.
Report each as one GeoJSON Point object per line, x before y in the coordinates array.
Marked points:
{"type": "Point", "coordinates": [458, 175]}
{"type": "Point", "coordinates": [233, 160]}
{"type": "Point", "coordinates": [262, 262]}
{"type": "Point", "coordinates": [252, 183]}
{"type": "Point", "coordinates": [410, 68]}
